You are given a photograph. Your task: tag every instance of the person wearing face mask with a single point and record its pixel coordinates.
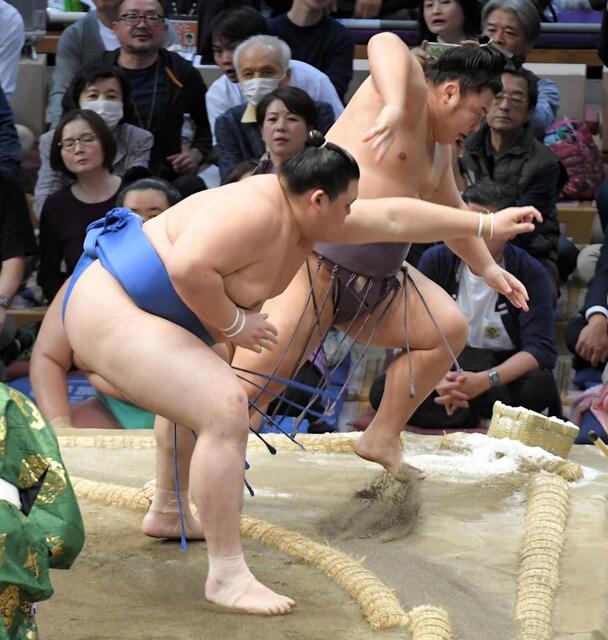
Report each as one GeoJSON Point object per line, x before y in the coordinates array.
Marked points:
{"type": "Point", "coordinates": [289, 109]}
{"type": "Point", "coordinates": [103, 89]}
{"type": "Point", "coordinates": [261, 64]}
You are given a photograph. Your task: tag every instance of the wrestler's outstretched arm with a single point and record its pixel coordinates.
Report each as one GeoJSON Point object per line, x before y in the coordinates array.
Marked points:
{"type": "Point", "coordinates": [392, 70]}
{"type": "Point", "coordinates": [412, 220]}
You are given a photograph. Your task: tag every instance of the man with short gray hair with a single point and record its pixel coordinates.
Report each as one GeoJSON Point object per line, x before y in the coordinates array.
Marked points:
{"type": "Point", "coordinates": [514, 25]}
{"type": "Point", "coordinates": [224, 93]}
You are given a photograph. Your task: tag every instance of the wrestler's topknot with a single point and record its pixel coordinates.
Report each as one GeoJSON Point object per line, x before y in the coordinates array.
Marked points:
{"type": "Point", "coordinates": [475, 68]}
{"type": "Point", "coordinates": [322, 165]}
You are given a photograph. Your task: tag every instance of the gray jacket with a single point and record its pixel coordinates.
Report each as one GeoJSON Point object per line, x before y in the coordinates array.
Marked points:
{"type": "Point", "coordinates": [79, 43]}
{"type": "Point", "coordinates": [133, 147]}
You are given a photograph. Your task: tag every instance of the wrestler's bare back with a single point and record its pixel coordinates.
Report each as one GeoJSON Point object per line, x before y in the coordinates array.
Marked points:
{"type": "Point", "coordinates": [413, 166]}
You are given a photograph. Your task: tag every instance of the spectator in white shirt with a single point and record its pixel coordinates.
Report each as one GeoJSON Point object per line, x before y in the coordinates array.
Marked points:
{"type": "Point", "coordinates": [226, 92]}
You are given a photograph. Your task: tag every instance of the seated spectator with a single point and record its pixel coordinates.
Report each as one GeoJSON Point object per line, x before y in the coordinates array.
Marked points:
{"type": "Point", "coordinates": [226, 91]}
{"type": "Point", "coordinates": [449, 21]}
{"type": "Point", "coordinates": [52, 357]}
{"type": "Point", "coordinates": [9, 140]}
{"type": "Point", "coordinates": [510, 353]}
{"type": "Point", "coordinates": [227, 30]}
{"type": "Point", "coordinates": [383, 9]}
{"type": "Point", "coordinates": [104, 89]}
{"type": "Point", "coordinates": [148, 197]}
{"type": "Point", "coordinates": [83, 148]}
{"type": "Point", "coordinates": [164, 87]}
{"type": "Point", "coordinates": [514, 26]}
{"type": "Point", "coordinates": [587, 333]}
{"type": "Point", "coordinates": [13, 39]}
{"type": "Point", "coordinates": [318, 39]}
{"type": "Point", "coordinates": [284, 118]}
{"type": "Point", "coordinates": [83, 42]}
{"type": "Point", "coordinates": [16, 242]}
{"type": "Point", "coordinates": [505, 150]}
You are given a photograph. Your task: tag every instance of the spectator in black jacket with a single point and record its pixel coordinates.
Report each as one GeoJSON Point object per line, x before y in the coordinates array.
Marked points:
{"type": "Point", "coordinates": [318, 39]}
{"type": "Point", "coordinates": [505, 150]}
{"type": "Point", "coordinates": [510, 353]}
{"type": "Point", "coordinates": [164, 87]}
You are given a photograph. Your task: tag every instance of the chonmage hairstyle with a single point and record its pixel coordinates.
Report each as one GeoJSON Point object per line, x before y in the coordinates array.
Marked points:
{"type": "Point", "coordinates": [322, 165]}
{"type": "Point", "coordinates": [474, 68]}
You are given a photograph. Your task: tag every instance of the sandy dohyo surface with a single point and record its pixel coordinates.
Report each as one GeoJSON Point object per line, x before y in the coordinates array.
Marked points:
{"type": "Point", "coordinates": [463, 553]}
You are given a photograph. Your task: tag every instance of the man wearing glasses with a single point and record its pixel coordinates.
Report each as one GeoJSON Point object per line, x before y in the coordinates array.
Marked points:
{"type": "Point", "coordinates": [83, 42]}
{"type": "Point", "coordinates": [164, 87]}
{"type": "Point", "coordinates": [505, 150]}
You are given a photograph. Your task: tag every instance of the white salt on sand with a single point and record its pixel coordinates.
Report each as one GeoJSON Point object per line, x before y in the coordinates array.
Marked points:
{"type": "Point", "coordinates": [487, 457]}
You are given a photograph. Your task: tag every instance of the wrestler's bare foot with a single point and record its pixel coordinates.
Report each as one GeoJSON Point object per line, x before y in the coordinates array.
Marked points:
{"type": "Point", "coordinates": [149, 488]}
{"type": "Point", "coordinates": [162, 519]}
{"type": "Point", "coordinates": [388, 453]}
{"type": "Point", "coordinates": [231, 584]}
{"type": "Point", "coordinates": [166, 525]}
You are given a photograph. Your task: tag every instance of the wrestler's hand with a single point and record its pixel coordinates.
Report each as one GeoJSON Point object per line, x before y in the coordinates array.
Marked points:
{"type": "Point", "coordinates": [257, 334]}
{"type": "Point", "coordinates": [507, 284]}
{"type": "Point", "coordinates": [384, 130]}
{"type": "Point", "coordinates": [367, 8]}
{"type": "Point", "coordinates": [510, 222]}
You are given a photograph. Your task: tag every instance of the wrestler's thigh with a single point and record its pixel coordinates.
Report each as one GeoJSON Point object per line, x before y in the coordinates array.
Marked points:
{"type": "Point", "coordinates": [390, 327]}
{"type": "Point", "coordinates": [299, 329]}
{"type": "Point", "coordinates": [156, 364]}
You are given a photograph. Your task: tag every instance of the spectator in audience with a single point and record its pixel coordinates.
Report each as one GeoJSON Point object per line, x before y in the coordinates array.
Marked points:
{"type": "Point", "coordinates": [84, 42]}
{"type": "Point", "coordinates": [16, 243]}
{"type": "Point", "coordinates": [449, 21]}
{"type": "Point", "coordinates": [164, 87]}
{"type": "Point", "coordinates": [284, 118]}
{"type": "Point", "coordinates": [207, 14]}
{"type": "Point", "coordinates": [383, 9]}
{"type": "Point", "coordinates": [587, 333]}
{"type": "Point", "coordinates": [13, 39]}
{"type": "Point", "coordinates": [9, 140]}
{"type": "Point", "coordinates": [226, 91]}
{"type": "Point", "coordinates": [102, 88]}
{"type": "Point", "coordinates": [52, 357]}
{"type": "Point", "coordinates": [318, 39]}
{"type": "Point", "coordinates": [148, 197]}
{"type": "Point", "coordinates": [83, 148]}
{"type": "Point", "coordinates": [505, 150]}
{"type": "Point", "coordinates": [510, 353]}
{"type": "Point", "coordinates": [227, 30]}
{"type": "Point", "coordinates": [514, 26]}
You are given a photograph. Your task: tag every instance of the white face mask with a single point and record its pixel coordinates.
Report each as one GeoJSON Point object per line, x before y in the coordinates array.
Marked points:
{"type": "Point", "coordinates": [110, 110]}
{"type": "Point", "coordinates": [256, 88]}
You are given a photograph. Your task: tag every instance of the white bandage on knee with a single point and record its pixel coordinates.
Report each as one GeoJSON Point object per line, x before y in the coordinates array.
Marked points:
{"type": "Point", "coordinates": [166, 501]}
{"type": "Point", "coordinates": [232, 575]}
